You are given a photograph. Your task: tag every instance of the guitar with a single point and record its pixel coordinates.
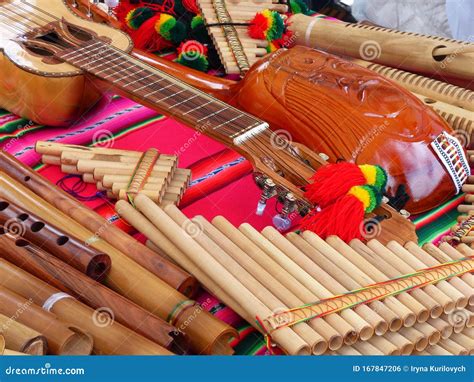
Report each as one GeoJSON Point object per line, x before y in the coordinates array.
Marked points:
{"type": "Point", "coordinates": [48, 46]}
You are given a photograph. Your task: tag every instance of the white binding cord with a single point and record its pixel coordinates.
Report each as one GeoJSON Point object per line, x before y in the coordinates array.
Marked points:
{"type": "Point", "coordinates": [53, 299]}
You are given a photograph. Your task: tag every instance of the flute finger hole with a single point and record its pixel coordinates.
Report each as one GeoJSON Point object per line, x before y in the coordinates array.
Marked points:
{"type": "Point", "coordinates": [61, 240]}
{"type": "Point", "coordinates": [22, 217]}
{"type": "Point", "coordinates": [26, 178]}
{"type": "Point", "coordinates": [3, 205]}
{"type": "Point", "coordinates": [37, 226]}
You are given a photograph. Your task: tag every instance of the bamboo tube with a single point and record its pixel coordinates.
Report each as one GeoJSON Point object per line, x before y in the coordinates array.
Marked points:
{"type": "Point", "coordinates": [152, 194]}
{"type": "Point", "coordinates": [418, 338]}
{"type": "Point", "coordinates": [433, 308]}
{"type": "Point", "coordinates": [371, 311]}
{"type": "Point", "coordinates": [101, 172]}
{"type": "Point", "coordinates": [163, 244]}
{"type": "Point", "coordinates": [463, 284]}
{"type": "Point", "coordinates": [68, 169]}
{"type": "Point", "coordinates": [413, 52]}
{"type": "Point", "coordinates": [464, 339]}
{"type": "Point", "coordinates": [363, 329]}
{"type": "Point", "coordinates": [437, 350]}
{"type": "Point", "coordinates": [88, 178]}
{"type": "Point", "coordinates": [72, 157]}
{"type": "Point", "coordinates": [13, 353]}
{"type": "Point", "coordinates": [348, 350]}
{"type": "Point", "coordinates": [89, 165]}
{"type": "Point", "coordinates": [124, 243]}
{"type": "Point", "coordinates": [407, 299]}
{"type": "Point", "coordinates": [317, 343]}
{"type": "Point", "coordinates": [126, 277]}
{"type": "Point", "coordinates": [428, 87]}
{"type": "Point", "coordinates": [21, 338]}
{"type": "Point", "coordinates": [46, 267]}
{"type": "Point", "coordinates": [339, 326]}
{"type": "Point", "coordinates": [443, 292]}
{"type": "Point", "coordinates": [390, 315]}
{"type": "Point", "coordinates": [50, 159]}
{"type": "Point", "coordinates": [405, 346]}
{"type": "Point", "coordinates": [442, 326]}
{"type": "Point", "coordinates": [285, 337]}
{"type": "Point", "coordinates": [110, 337]}
{"type": "Point", "coordinates": [326, 285]}
{"type": "Point", "coordinates": [62, 339]}
{"type": "Point", "coordinates": [366, 348]}
{"type": "Point", "coordinates": [452, 347]}
{"type": "Point", "coordinates": [53, 148]}
{"type": "Point", "coordinates": [430, 332]}
{"type": "Point", "coordinates": [385, 346]}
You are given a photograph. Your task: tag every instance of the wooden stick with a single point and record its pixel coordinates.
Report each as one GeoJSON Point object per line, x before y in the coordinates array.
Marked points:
{"type": "Point", "coordinates": [168, 272]}
{"type": "Point", "coordinates": [285, 337]}
{"type": "Point", "coordinates": [21, 338]}
{"type": "Point", "coordinates": [62, 338]}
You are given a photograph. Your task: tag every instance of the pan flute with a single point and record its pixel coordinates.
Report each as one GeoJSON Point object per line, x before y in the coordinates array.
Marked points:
{"type": "Point", "coordinates": [261, 274]}
{"type": "Point", "coordinates": [237, 50]}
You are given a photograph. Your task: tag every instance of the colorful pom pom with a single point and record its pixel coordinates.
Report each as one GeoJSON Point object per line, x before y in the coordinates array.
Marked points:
{"type": "Point", "coordinates": [266, 25]}
{"type": "Point", "coordinates": [193, 54]}
{"type": "Point", "coordinates": [136, 17]}
{"type": "Point", "coordinates": [170, 29]}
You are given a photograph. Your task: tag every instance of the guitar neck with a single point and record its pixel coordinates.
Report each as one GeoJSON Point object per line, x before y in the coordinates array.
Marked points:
{"type": "Point", "coordinates": [158, 90]}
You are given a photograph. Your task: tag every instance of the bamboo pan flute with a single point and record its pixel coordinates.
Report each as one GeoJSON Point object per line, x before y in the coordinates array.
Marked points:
{"type": "Point", "coordinates": [21, 338]}
{"type": "Point", "coordinates": [455, 104]}
{"type": "Point", "coordinates": [51, 270]}
{"type": "Point", "coordinates": [125, 277]}
{"type": "Point", "coordinates": [67, 279]}
{"type": "Point", "coordinates": [102, 229]}
{"type": "Point", "coordinates": [16, 221]}
{"type": "Point", "coordinates": [404, 50]}
{"type": "Point", "coordinates": [122, 173]}
{"type": "Point", "coordinates": [109, 337]}
{"type": "Point", "coordinates": [255, 273]}
{"type": "Point", "coordinates": [62, 338]}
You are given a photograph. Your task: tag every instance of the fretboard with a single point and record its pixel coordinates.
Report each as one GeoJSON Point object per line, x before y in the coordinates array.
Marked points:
{"type": "Point", "coordinates": [165, 93]}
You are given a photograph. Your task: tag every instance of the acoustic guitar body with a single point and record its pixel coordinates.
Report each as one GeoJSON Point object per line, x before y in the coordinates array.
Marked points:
{"type": "Point", "coordinates": [32, 84]}
{"type": "Point", "coordinates": [350, 113]}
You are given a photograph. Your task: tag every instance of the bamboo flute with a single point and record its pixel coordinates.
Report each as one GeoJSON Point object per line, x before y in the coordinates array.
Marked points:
{"type": "Point", "coordinates": [148, 259]}
{"type": "Point", "coordinates": [447, 287]}
{"type": "Point", "coordinates": [53, 148]}
{"type": "Point", "coordinates": [4, 351]}
{"type": "Point", "coordinates": [316, 342]}
{"type": "Point", "coordinates": [465, 339]}
{"type": "Point", "coordinates": [396, 313]}
{"type": "Point", "coordinates": [285, 337]}
{"type": "Point", "coordinates": [385, 346]}
{"type": "Point", "coordinates": [359, 322]}
{"type": "Point", "coordinates": [339, 326]}
{"type": "Point", "coordinates": [386, 320]}
{"type": "Point", "coordinates": [444, 327]}
{"type": "Point", "coordinates": [110, 337]}
{"type": "Point", "coordinates": [62, 337]}
{"type": "Point", "coordinates": [452, 347]}
{"type": "Point", "coordinates": [71, 158]}
{"type": "Point", "coordinates": [366, 348]}
{"type": "Point", "coordinates": [130, 279]}
{"type": "Point", "coordinates": [421, 312]}
{"type": "Point", "coordinates": [162, 243]}
{"type": "Point", "coordinates": [407, 317]}
{"type": "Point", "coordinates": [46, 267]}
{"type": "Point", "coordinates": [334, 341]}
{"type": "Point", "coordinates": [21, 338]}
{"type": "Point", "coordinates": [437, 350]}
{"type": "Point", "coordinates": [418, 338]}
{"type": "Point", "coordinates": [15, 220]}
{"type": "Point", "coordinates": [428, 306]}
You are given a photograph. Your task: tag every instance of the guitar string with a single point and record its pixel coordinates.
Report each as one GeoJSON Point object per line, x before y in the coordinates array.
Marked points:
{"type": "Point", "coordinates": [289, 148]}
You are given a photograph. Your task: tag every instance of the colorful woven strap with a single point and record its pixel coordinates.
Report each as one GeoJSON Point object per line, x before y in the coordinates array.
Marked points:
{"type": "Point", "coordinates": [366, 295]}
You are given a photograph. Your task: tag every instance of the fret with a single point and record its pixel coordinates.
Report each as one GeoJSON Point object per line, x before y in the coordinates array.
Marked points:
{"type": "Point", "coordinates": [133, 73]}
{"type": "Point", "coordinates": [213, 114]}
{"type": "Point", "coordinates": [85, 58]}
{"type": "Point", "coordinates": [155, 91]}
{"type": "Point", "coordinates": [121, 70]}
{"type": "Point", "coordinates": [198, 107]}
{"type": "Point", "coordinates": [171, 95]}
{"type": "Point", "coordinates": [146, 85]}
{"type": "Point", "coordinates": [106, 62]}
{"type": "Point", "coordinates": [227, 122]}
{"type": "Point", "coordinates": [183, 101]}
{"type": "Point", "coordinates": [109, 67]}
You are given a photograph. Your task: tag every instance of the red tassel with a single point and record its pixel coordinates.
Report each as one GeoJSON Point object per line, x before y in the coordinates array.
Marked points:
{"type": "Point", "coordinates": [344, 218]}
{"type": "Point", "coordinates": [147, 38]}
{"type": "Point", "coordinates": [333, 181]}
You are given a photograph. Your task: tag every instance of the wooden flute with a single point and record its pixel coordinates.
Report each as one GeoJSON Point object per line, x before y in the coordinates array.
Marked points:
{"type": "Point", "coordinates": [21, 338]}
{"type": "Point", "coordinates": [56, 273]}
{"type": "Point", "coordinates": [16, 221]}
{"type": "Point", "coordinates": [95, 223]}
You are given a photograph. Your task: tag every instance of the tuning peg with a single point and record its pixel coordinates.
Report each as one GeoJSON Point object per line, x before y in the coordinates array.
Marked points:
{"type": "Point", "coordinates": [268, 187]}
{"type": "Point", "coordinates": [281, 221]}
